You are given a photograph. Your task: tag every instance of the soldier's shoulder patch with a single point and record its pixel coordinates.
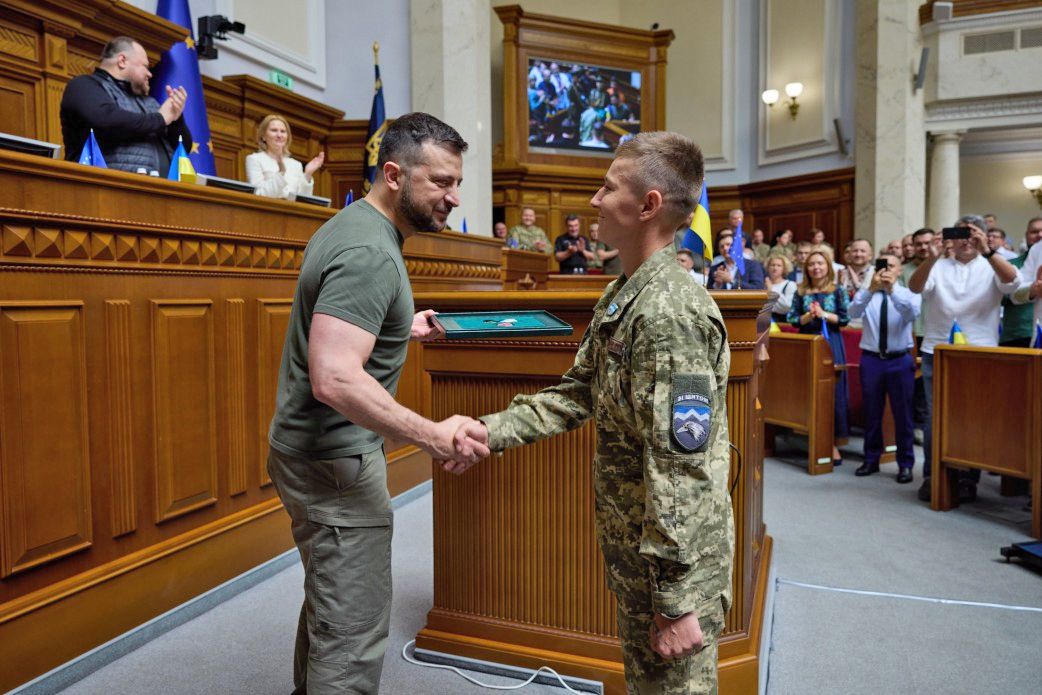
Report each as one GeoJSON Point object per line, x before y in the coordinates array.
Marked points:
{"type": "Point", "coordinates": [691, 407]}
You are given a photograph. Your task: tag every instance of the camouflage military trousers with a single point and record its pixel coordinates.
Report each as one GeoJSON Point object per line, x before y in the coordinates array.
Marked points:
{"type": "Point", "coordinates": [647, 673]}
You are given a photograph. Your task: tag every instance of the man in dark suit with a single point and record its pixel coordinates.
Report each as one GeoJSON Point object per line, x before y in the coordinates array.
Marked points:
{"type": "Point", "coordinates": [724, 275]}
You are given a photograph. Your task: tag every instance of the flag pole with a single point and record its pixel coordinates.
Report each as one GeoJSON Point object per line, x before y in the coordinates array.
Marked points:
{"type": "Point", "coordinates": [376, 52]}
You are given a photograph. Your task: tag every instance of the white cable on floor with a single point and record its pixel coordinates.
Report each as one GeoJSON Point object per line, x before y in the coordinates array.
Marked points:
{"type": "Point", "coordinates": [458, 672]}
{"type": "Point", "coordinates": [926, 599]}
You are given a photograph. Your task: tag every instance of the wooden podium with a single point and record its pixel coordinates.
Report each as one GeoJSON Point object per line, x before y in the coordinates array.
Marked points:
{"type": "Point", "coordinates": [518, 577]}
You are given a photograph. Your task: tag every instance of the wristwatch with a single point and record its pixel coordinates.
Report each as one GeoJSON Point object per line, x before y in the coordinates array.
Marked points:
{"type": "Point", "coordinates": [989, 254]}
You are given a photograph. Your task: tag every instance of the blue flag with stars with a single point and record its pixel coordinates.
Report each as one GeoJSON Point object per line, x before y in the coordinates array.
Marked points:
{"type": "Point", "coordinates": [1037, 341]}
{"type": "Point", "coordinates": [737, 250]}
{"type": "Point", "coordinates": [91, 153]}
{"type": "Point", "coordinates": [179, 67]}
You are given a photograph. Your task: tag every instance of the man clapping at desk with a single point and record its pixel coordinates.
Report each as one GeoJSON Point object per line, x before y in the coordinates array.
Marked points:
{"type": "Point", "coordinates": [131, 127]}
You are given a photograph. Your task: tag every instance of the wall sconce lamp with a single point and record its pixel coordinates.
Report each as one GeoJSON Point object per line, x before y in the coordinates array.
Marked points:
{"type": "Point", "coordinates": [1034, 185]}
{"type": "Point", "coordinates": [793, 90]}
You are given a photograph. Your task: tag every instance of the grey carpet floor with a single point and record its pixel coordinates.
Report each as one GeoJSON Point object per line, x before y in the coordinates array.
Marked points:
{"type": "Point", "coordinates": [872, 534]}
{"type": "Point", "coordinates": [834, 530]}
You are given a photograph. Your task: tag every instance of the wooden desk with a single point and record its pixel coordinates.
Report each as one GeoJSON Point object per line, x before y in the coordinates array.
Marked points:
{"type": "Point", "coordinates": [518, 576]}
{"type": "Point", "coordinates": [987, 414]}
{"type": "Point", "coordinates": [579, 283]}
{"type": "Point", "coordinates": [526, 270]}
{"type": "Point", "coordinates": [799, 393]}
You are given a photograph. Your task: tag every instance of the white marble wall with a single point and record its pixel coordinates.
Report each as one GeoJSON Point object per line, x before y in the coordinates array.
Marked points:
{"type": "Point", "coordinates": [451, 80]}
{"type": "Point", "coordinates": [890, 179]}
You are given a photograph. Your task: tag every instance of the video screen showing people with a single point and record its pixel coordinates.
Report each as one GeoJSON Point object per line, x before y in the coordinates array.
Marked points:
{"type": "Point", "coordinates": [581, 107]}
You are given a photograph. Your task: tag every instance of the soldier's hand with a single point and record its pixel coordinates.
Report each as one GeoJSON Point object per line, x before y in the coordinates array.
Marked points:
{"type": "Point", "coordinates": [540, 246]}
{"type": "Point", "coordinates": [676, 639]}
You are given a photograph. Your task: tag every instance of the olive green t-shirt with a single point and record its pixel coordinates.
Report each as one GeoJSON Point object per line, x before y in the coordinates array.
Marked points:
{"type": "Point", "coordinates": [353, 269]}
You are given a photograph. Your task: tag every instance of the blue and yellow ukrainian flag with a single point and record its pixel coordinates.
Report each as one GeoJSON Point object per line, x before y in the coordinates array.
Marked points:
{"type": "Point", "coordinates": [775, 328]}
{"type": "Point", "coordinates": [377, 127]}
{"type": "Point", "coordinates": [181, 168]}
{"type": "Point", "coordinates": [179, 67]}
{"type": "Point", "coordinates": [956, 336]}
{"type": "Point", "coordinates": [699, 238]}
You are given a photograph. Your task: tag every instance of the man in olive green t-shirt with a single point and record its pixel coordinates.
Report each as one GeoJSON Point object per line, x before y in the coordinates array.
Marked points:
{"type": "Point", "coordinates": [346, 342]}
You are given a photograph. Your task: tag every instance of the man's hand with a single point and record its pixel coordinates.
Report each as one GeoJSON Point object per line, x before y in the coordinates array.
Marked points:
{"type": "Point", "coordinates": [877, 282]}
{"type": "Point", "coordinates": [676, 639]}
{"type": "Point", "coordinates": [424, 329]}
{"type": "Point", "coordinates": [442, 445]}
{"type": "Point", "coordinates": [1036, 287]}
{"type": "Point", "coordinates": [314, 165]}
{"type": "Point", "coordinates": [979, 239]}
{"type": "Point", "coordinates": [471, 435]}
{"type": "Point", "coordinates": [174, 105]}
{"type": "Point", "coordinates": [886, 280]}
{"type": "Point", "coordinates": [722, 276]}
{"type": "Point", "coordinates": [540, 245]}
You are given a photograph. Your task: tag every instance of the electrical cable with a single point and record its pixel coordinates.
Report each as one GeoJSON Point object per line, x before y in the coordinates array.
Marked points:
{"type": "Point", "coordinates": [911, 597]}
{"type": "Point", "coordinates": [458, 672]}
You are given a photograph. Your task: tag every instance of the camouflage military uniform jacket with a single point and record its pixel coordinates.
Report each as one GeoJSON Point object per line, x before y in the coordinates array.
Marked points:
{"type": "Point", "coordinates": [528, 236]}
{"type": "Point", "coordinates": [652, 371]}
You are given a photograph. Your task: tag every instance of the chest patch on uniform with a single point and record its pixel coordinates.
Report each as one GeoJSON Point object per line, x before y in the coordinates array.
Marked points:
{"type": "Point", "coordinates": [616, 348]}
{"type": "Point", "coordinates": [692, 407]}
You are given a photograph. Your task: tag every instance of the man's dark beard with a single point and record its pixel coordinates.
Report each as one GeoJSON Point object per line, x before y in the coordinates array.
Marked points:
{"type": "Point", "coordinates": [418, 219]}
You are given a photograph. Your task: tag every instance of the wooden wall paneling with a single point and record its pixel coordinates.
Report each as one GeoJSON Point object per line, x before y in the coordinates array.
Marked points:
{"type": "Point", "coordinates": [272, 323]}
{"type": "Point", "coordinates": [235, 368]}
{"type": "Point", "coordinates": [823, 200]}
{"type": "Point", "coordinates": [184, 402]}
{"type": "Point", "coordinates": [118, 360]}
{"type": "Point", "coordinates": [18, 97]}
{"type": "Point", "coordinates": [44, 449]}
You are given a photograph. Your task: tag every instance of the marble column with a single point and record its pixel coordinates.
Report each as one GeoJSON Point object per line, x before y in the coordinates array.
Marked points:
{"type": "Point", "coordinates": [944, 180]}
{"type": "Point", "coordinates": [451, 80]}
{"type": "Point", "coordinates": [890, 141]}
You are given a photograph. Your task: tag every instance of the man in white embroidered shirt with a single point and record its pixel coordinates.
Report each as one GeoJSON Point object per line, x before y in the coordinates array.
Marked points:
{"type": "Point", "coordinates": [966, 287]}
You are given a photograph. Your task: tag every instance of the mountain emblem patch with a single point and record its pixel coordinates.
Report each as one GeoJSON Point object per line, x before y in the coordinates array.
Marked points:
{"type": "Point", "coordinates": [692, 412]}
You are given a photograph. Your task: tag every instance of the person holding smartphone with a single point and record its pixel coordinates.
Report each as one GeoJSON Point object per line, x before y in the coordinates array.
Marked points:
{"type": "Point", "coordinates": [964, 282]}
{"type": "Point", "coordinates": [887, 311]}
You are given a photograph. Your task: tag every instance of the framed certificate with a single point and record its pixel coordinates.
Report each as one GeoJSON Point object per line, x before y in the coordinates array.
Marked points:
{"type": "Point", "coordinates": [500, 324]}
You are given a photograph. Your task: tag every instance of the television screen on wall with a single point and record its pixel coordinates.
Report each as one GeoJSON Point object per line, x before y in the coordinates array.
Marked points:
{"type": "Point", "coordinates": [574, 106]}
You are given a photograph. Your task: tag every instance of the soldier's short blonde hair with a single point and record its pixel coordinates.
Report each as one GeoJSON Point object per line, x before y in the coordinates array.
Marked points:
{"type": "Point", "coordinates": [669, 163]}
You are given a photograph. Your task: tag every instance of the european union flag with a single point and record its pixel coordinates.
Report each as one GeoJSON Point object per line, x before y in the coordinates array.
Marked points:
{"type": "Point", "coordinates": [698, 238]}
{"type": "Point", "coordinates": [180, 67]}
{"type": "Point", "coordinates": [1037, 341]}
{"type": "Point", "coordinates": [350, 197]}
{"type": "Point", "coordinates": [956, 336]}
{"type": "Point", "coordinates": [464, 225]}
{"type": "Point", "coordinates": [377, 127]}
{"type": "Point", "coordinates": [737, 250]}
{"type": "Point", "coordinates": [91, 154]}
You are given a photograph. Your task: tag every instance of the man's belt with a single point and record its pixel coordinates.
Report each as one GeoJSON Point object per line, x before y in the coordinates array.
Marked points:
{"type": "Point", "coordinates": [885, 355]}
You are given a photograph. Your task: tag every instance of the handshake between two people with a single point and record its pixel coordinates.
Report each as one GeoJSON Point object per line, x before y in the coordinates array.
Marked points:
{"type": "Point", "coordinates": [458, 443]}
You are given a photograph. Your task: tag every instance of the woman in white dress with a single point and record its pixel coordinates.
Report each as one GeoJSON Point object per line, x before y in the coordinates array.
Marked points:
{"type": "Point", "coordinates": [778, 268]}
{"type": "Point", "coordinates": [272, 170]}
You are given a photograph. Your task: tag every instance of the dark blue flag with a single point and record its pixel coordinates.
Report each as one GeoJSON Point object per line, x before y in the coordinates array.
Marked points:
{"type": "Point", "coordinates": [737, 251]}
{"type": "Point", "coordinates": [179, 67]}
{"type": "Point", "coordinates": [464, 225]}
{"type": "Point", "coordinates": [377, 127]}
{"type": "Point", "coordinates": [350, 197]}
{"type": "Point", "coordinates": [91, 153]}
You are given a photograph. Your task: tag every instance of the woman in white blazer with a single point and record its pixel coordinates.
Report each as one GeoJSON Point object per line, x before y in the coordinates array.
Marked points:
{"type": "Point", "coordinates": [272, 170]}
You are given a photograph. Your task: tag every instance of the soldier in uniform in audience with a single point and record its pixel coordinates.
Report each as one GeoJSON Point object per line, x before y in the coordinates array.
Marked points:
{"type": "Point", "coordinates": [652, 371]}
{"type": "Point", "coordinates": [527, 236]}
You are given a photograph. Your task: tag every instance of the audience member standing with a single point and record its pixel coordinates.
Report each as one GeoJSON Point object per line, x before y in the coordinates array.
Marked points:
{"type": "Point", "coordinates": [132, 129]}
{"type": "Point", "coordinates": [803, 250]}
{"type": "Point", "coordinates": [1018, 319]}
{"type": "Point", "coordinates": [570, 248]}
{"type": "Point", "coordinates": [907, 249]}
{"type": "Point", "coordinates": [997, 243]}
{"type": "Point", "coordinates": [1031, 274]}
{"type": "Point", "coordinates": [777, 283]}
{"type": "Point", "coordinates": [761, 250]}
{"type": "Point", "coordinates": [605, 257]}
{"type": "Point", "coordinates": [858, 272]}
{"type": "Point", "coordinates": [782, 243]}
{"type": "Point", "coordinates": [887, 310]}
{"type": "Point", "coordinates": [499, 230]}
{"type": "Point", "coordinates": [272, 169]}
{"type": "Point", "coordinates": [967, 287]}
{"type": "Point", "coordinates": [819, 306]}
{"type": "Point", "coordinates": [527, 236]}
{"type": "Point", "coordinates": [725, 275]}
